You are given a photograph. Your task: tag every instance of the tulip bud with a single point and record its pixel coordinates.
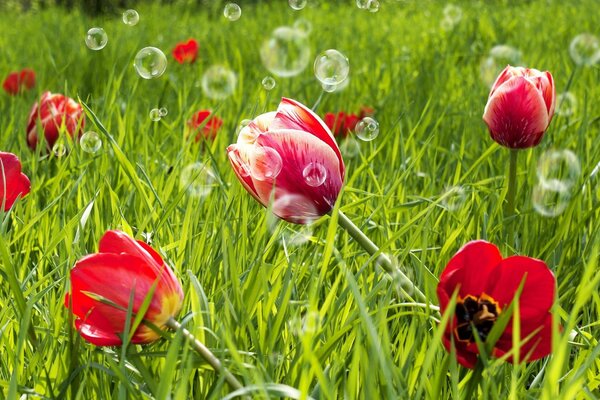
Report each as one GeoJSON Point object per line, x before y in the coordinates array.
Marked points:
{"type": "Point", "coordinates": [520, 107]}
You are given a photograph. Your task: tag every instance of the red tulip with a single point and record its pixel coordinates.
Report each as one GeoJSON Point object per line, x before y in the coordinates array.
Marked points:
{"type": "Point", "coordinates": [341, 124]}
{"type": "Point", "coordinates": [186, 52]}
{"type": "Point", "coordinates": [291, 158]}
{"type": "Point", "coordinates": [102, 285]}
{"type": "Point", "coordinates": [13, 183]}
{"type": "Point", "coordinates": [486, 285]}
{"type": "Point", "coordinates": [205, 126]}
{"type": "Point", "coordinates": [366, 111]}
{"type": "Point", "coordinates": [520, 107]}
{"type": "Point", "coordinates": [16, 81]}
{"type": "Point", "coordinates": [51, 112]}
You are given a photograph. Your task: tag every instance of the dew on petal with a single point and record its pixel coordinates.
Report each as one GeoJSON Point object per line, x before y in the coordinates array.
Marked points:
{"type": "Point", "coordinates": [314, 174]}
{"type": "Point", "coordinates": [265, 163]}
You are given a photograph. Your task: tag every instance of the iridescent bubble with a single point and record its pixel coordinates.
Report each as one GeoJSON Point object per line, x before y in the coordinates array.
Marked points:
{"type": "Point", "coordinates": [90, 142]}
{"type": "Point", "coordinates": [350, 147]}
{"type": "Point", "coordinates": [303, 25]}
{"type": "Point", "coordinates": [363, 4]}
{"type": "Point", "coordinates": [131, 17]}
{"type": "Point", "coordinates": [96, 39]}
{"type": "Point", "coordinates": [314, 174]}
{"type": "Point", "coordinates": [499, 57]}
{"type": "Point", "coordinates": [550, 202]}
{"type": "Point", "coordinates": [331, 67]}
{"type": "Point", "coordinates": [558, 170]}
{"type": "Point", "coordinates": [297, 4]}
{"type": "Point", "coordinates": [155, 114]}
{"type": "Point", "coordinates": [286, 53]}
{"type": "Point", "coordinates": [566, 104]}
{"type": "Point", "coordinates": [59, 149]}
{"type": "Point", "coordinates": [453, 13]}
{"type": "Point", "coordinates": [232, 12]}
{"type": "Point", "coordinates": [150, 62]}
{"type": "Point", "coordinates": [585, 49]}
{"type": "Point", "coordinates": [198, 179]}
{"type": "Point", "coordinates": [367, 129]}
{"type": "Point", "coordinates": [454, 198]}
{"type": "Point", "coordinates": [265, 163]}
{"type": "Point", "coordinates": [163, 111]}
{"type": "Point", "coordinates": [219, 82]}
{"type": "Point", "coordinates": [269, 83]}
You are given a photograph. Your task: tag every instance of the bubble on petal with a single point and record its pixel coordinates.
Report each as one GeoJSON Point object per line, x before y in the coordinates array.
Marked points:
{"type": "Point", "coordinates": [331, 67]}
{"type": "Point", "coordinates": [198, 179]}
{"type": "Point", "coordinates": [566, 104]}
{"type": "Point", "coordinates": [550, 202]}
{"type": "Point", "coordinates": [498, 58]}
{"type": "Point", "coordinates": [90, 142]}
{"type": "Point", "coordinates": [150, 62]}
{"type": "Point", "coordinates": [232, 11]}
{"type": "Point", "coordinates": [558, 170]}
{"type": "Point", "coordinates": [269, 83]}
{"type": "Point", "coordinates": [303, 25]}
{"type": "Point", "coordinates": [350, 147]}
{"type": "Point", "coordinates": [314, 174]}
{"type": "Point", "coordinates": [454, 198]}
{"type": "Point", "coordinates": [131, 17]}
{"type": "Point", "coordinates": [265, 163]}
{"type": "Point", "coordinates": [219, 82]}
{"type": "Point", "coordinates": [96, 38]}
{"type": "Point", "coordinates": [155, 114]}
{"type": "Point", "coordinates": [585, 49]}
{"type": "Point", "coordinates": [367, 129]}
{"type": "Point", "coordinates": [286, 52]}
{"type": "Point", "coordinates": [297, 4]}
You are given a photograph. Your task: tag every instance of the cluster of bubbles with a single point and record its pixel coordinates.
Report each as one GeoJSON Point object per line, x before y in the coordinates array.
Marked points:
{"type": "Point", "coordinates": [232, 11]}
{"type": "Point", "coordinates": [157, 113]}
{"type": "Point", "coordinates": [497, 59]}
{"type": "Point", "coordinates": [566, 104]}
{"type": "Point", "coordinates": [218, 82]}
{"type": "Point", "coordinates": [454, 198]}
{"type": "Point", "coordinates": [370, 5]}
{"type": "Point", "coordinates": [452, 16]}
{"type": "Point", "coordinates": [150, 62]}
{"type": "Point", "coordinates": [286, 52]}
{"type": "Point", "coordinates": [557, 172]}
{"type": "Point", "coordinates": [367, 129]}
{"type": "Point", "coordinates": [90, 142]}
{"type": "Point", "coordinates": [269, 83]}
{"type": "Point", "coordinates": [585, 49]}
{"type": "Point", "coordinates": [297, 4]}
{"type": "Point", "coordinates": [331, 69]}
{"type": "Point", "coordinates": [96, 39]}
{"type": "Point", "coordinates": [131, 17]}
{"type": "Point", "coordinates": [198, 179]}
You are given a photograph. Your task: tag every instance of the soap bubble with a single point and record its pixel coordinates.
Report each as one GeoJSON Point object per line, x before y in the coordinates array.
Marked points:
{"type": "Point", "coordinates": [163, 111]}
{"type": "Point", "coordinates": [566, 104]}
{"type": "Point", "coordinates": [367, 129]}
{"type": "Point", "coordinates": [499, 57]}
{"type": "Point", "coordinates": [314, 174]}
{"type": "Point", "coordinates": [453, 13]}
{"type": "Point", "coordinates": [331, 67]}
{"type": "Point", "coordinates": [454, 198]}
{"type": "Point", "coordinates": [150, 62]}
{"type": "Point", "coordinates": [350, 147]}
{"type": "Point", "coordinates": [373, 6]}
{"type": "Point", "coordinates": [269, 83]}
{"type": "Point", "coordinates": [59, 149]}
{"type": "Point", "coordinates": [297, 4]}
{"type": "Point", "coordinates": [558, 170]}
{"type": "Point", "coordinates": [131, 17]}
{"type": "Point", "coordinates": [96, 39]}
{"type": "Point", "coordinates": [550, 202]}
{"type": "Point", "coordinates": [585, 49]}
{"type": "Point", "coordinates": [219, 82]}
{"type": "Point", "coordinates": [265, 163]}
{"type": "Point", "coordinates": [198, 179]}
{"type": "Point", "coordinates": [232, 12]}
{"type": "Point", "coordinates": [303, 25]}
{"type": "Point", "coordinates": [286, 53]}
{"type": "Point", "coordinates": [155, 114]}
{"type": "Point", "coordinates": [90, 142]}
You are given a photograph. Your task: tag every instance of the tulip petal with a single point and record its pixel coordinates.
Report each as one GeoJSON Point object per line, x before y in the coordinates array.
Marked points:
{"type": "Point", "coordinates": [97, 336]}
{"type": "Point", "coordinates": [516, 114]}
{"type": "Point", "coordinates": [465, 357]}
{"type": "Point", "coordinates": [293, 115]}
{"type": "Point", "coordinates": [238, 158]}
{"type": "Point", "coordinates": [468, 270]}
{"type": "Point", "coordinates": [538, 291]}
{"type": "Point", "coordinates": [537, 346]}
{"type": "Point", "coordinates": [118, 242]}
{"type": "Point", "coordinates": [13, 183]}
{"type": "Point", "coordinates": [11, 83]}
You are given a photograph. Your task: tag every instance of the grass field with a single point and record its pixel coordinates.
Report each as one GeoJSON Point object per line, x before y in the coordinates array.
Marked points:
{"type": "Point", "coordinates": [318, 318]}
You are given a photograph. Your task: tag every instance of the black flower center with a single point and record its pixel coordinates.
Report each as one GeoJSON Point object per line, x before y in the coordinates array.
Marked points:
{"type": "Point", "coordinates": [475, 313]}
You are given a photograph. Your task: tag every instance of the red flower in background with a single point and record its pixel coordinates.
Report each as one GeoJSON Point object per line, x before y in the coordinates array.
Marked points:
{"type": "Point", "coordinates": [341, 124]}
{"type": "Point", "coordinates": [102, 285]}
{"type": "Point", "coordinates": [50, 113]}
{"type": "Point", "coordinates": [13, 183]}
{"type": "Point", "coordinates": [17, 81]}
{"type": "Point", "coordinates": [186, 52]}
{"type": "Point", "coordinates": [520, 107]}
{"type": "Point", "coordinates": [487, 283]}
{"type": "Point", "coordinates": [205, 125]}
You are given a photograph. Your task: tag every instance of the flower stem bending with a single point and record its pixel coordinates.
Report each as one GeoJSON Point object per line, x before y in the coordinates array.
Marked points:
{"type": "Point", "coordinates": [382, 259]}
{"type": "Point", "coordinates": [510, 195]}
{"type": "Point", "coordinates": [206, 354]}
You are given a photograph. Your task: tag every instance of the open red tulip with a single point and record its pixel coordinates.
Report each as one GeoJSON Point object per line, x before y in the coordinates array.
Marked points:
{"type": "Point", "coordinates": [290, 158]}
{"type": "Point", "coordinates": [13, 183]}
{"type": "Point", "coordinates": [102, 285]}
{"type": "Point", "coordinates": [487, 284]}
{"type": "Point", "coordinates": [341, 124]}
{"type": "Point", "coordinates": [186, 52]}
{"type": "Point", "coordinates": [520, 107]}
{"type": "Point", "coordinates": [205, 125]}
{"type": "Point", "coordinates": [51, 113]}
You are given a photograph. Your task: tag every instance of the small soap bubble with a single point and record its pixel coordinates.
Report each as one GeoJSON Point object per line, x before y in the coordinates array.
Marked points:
{"type": "Point", "coordinates": [566, 104]}
{"type": "Point", "coordinates": [59, 149]}
{"type": "Point", "coordinates": [198, 179]}
{"type": "Point", "coordinates": [558, 170]}
{"type": "Point", "coordinates": [286, 52]}
{"type": "Point", "coordinates": [454, 198]}
{"type": "Point", "coordinates": [585, 49]}
{"type": "Point", "coordinates": [131, 17]}
{"type": "Point", "coordinates": [219, 82]}
{"type": "Point", "coordinates": [297, 4]}
{"type": "Point", "coordinates": [367, 129]}
{"type": "Point", "coordinates": [331, 67]}
{"type": "Point", "coordinates": [303, 25]}
{"type": "Point", "coordinates": [550, 202]}
{"type": "Point", "coordinates": [265, 163]}
{"type": "Point", "coordinates": [155, 114]}
{"type": "Point", "coordinates": [163, 111]}
{"type": "Point", "coordinates": [350, 147]}
{"type": "Point", "coordinates": [90, 142]}
{"type": "Point", "coordinates": [269, 83]}
{"type": "Point", "coordinates": [314, 174]}
{"type": "Point", "coordinates": [150, 62]}
{"type": "Point", "coordinates": [232, 11]}
{"type": "Point", "coordinates": [96, 39]}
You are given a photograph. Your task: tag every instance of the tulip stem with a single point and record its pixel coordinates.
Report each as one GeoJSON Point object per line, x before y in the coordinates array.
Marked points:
{"type": "Point", "coordinates": [206, 354]}
{"type": "Point", "coordinates": [510, 195]}
{"type": "Point", "coordinates": [382, 259]}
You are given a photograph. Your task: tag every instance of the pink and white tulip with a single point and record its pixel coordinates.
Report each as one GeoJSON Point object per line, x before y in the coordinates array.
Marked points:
{"type": "Point", "coordinates": [520, 107]}
{"type": "Point", "coordinates": [288, 158]}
